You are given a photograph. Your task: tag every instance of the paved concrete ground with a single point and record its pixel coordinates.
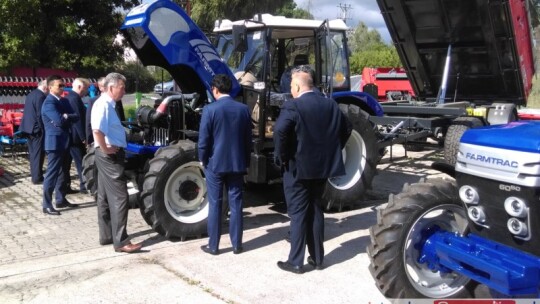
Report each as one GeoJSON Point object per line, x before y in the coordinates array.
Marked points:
{"type": "Point", "coordinates": [46, 259]}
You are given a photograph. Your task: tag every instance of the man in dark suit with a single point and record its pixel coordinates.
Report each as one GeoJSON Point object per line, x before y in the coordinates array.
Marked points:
{"type": "Point", "coordinates": [224, 151]}
{"type": "Point", "coordinates": [32, 126]}
{"type": "Point", "coordinates": [56, 120]}
{"type": "Point", "coordinates": [89, 133]}
{"type": "Point", "coordinates": [309, 135]}
{"type": "Point", "coordinates": [77, 146]}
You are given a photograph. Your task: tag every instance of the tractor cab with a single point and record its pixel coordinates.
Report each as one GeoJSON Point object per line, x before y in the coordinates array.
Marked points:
{"type": "Point", "coordinates": [265, 49]}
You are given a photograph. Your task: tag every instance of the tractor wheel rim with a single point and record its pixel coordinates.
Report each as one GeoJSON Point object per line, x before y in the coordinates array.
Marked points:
{"type": "Point", "coordinates": [432, 284]}
{"type": "Point", "coordinates": [354, 159]}
{"type": "Point", "coordinates": [185, 194]}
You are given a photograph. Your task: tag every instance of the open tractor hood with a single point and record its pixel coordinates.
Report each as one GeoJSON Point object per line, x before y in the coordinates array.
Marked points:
{"type": "Point", "coordinates": [491, 54]}
{"type": "Point", "coordinates": [162, 34]}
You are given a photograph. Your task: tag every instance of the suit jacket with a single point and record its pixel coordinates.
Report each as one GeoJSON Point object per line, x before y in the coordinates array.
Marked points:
{"type": "Point", "coordinates": [57, 127]}
{"type": "Point", "coordinates": [225, 136]}
{"type": "Point", "coordinates": [32, 123]}
{"type": "Point", "coordinates": [78, 128]}
{"type": "Point", "coordinates": [309, 135]}
{"type": "Point", "coordinates": [88, 125]}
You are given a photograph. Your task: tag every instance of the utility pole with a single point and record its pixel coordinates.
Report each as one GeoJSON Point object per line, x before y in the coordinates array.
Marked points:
{"type": "Point", "coordinates": [344, 12]}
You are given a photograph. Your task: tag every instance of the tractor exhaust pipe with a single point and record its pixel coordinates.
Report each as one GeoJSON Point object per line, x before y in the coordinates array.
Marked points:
{"type": "Point", "coordinates": [442, 90]}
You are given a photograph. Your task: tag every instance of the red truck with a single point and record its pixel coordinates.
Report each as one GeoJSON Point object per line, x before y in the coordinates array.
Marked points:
{"type": "Point", "coordinates": [386, 84]}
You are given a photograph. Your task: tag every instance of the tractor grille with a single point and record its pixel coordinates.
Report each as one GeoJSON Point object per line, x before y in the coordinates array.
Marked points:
{"type": "Point", "coordinates": [160, 136]}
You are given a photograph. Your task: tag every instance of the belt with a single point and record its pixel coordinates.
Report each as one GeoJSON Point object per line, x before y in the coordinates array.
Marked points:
{"type": "Point", "coordinates": [120, 149]}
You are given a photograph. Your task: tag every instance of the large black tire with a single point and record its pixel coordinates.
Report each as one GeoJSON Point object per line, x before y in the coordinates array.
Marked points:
{"type": "Point", "coordinates": [360, 156]}
{"type": "Point", "coordinates": [174, 192]}
{"type": "Point", "coordinates": [396, 239]}
{"type": "Point", "coordinates": [453, 136]}
{"type": "Point", "coordinates": [89, 171]}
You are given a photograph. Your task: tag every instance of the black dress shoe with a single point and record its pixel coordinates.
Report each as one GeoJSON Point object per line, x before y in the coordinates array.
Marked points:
{"type": "Point", "coordinates": [311, 262]}
{"type": "Point", "coordinates": [66, 204]}
{"type": "Point", "coordinates": [71, 191]}
{"type": "Point", "coordinates": [210, 251]}
{"type": "Point", "coordinates": [51, 211]}
{"type": "Point", "coordinates": [238, 250]}
{"type": "Point", "coordinates": [290, 268]}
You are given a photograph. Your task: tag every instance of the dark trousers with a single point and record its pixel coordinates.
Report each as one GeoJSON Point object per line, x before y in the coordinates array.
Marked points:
{"type": "Point", "coordinates": [233, 183]}
{"type": "Point", "coordinates": [112, 198]}
{"type": "Point", "coordinates": [36, 153]}
{"type": "Point", "coordinates": [76, 153]}
{"type": "Point", "coordinates": [307, 218]}
{"type": "Point", "coordinates": [54, 178]}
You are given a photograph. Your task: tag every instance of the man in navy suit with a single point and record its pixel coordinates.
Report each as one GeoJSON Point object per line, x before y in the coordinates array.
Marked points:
{"type": "Point", "coordinates": [77, 146]}
{"type": "Point", "coordinates": [57, 121]}
{"type": "Point", "coordinates": [32, 126]}
{"type": "Point", "coordinates": [224, 151]}
{"type": "Point", "coordinates": [89, 133]}
{"type": "Point", "coordinates": [309, 135]}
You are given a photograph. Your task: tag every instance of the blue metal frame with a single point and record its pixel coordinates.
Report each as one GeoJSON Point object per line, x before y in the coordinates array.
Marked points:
{"type": "Point", "coordinates": [521, 136]}
{"type": "Point", "coordinates": [137, 149]}
{"type": "Point", "coordinates": [498, 266]}
{"type": "Point", "coordinates": [179, 40]}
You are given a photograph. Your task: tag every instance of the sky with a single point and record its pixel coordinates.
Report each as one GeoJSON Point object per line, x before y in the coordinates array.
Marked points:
{"type": "Point", "coordinates": [366, 11]}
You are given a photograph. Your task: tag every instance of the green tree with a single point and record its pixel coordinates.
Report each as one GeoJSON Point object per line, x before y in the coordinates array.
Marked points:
{"type": "Point", "coordinates": [206, 12]}
{"type": "Point", "coordinates": [138, 77]}
{"type": "Point", "coordinates": [364, 39]}
{"type": "Point", "coordinates": [290, 10]}
{"type": "Point", "coordinates": [73, 35]}
{"type": "Point", "coordinates": [381, 55]}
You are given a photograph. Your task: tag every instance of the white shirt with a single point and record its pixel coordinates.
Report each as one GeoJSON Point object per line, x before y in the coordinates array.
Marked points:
{"type": "Point", "coordinates": [105, 119]}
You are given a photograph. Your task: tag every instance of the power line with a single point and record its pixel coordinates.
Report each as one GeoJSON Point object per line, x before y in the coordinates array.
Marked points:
{"type": "Point", "coordinates": [344, 12]}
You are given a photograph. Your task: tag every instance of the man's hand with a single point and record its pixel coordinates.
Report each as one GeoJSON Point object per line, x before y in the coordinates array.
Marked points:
{"type": "Point", "coordinates": [284, 167]}
{"type": "Point", "coordinates": [109, 150]}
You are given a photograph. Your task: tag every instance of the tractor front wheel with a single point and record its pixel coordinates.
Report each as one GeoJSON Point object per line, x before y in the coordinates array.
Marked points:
{"type": "Point", "coordinates": [174, 192]}
{"type": "Point", "coordinates": [398, 236]}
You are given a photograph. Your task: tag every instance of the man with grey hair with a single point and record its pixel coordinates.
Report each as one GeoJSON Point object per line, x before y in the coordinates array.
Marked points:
{"type": "Point", "coordinates": [32, 126]}
{"type": "Point", "coordinates": [110, 142]}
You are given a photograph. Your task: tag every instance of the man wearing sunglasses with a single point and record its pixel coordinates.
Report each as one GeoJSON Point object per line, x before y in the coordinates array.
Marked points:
{"type": "Point", "coordinates": [57, 122]}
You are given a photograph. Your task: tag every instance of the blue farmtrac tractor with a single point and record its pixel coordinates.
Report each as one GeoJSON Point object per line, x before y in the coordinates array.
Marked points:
{"type": "Point", "coordinates": [257, 54]}
{"type": "Point", "coordinates": [440, 238]}
{"type": "Point", "coordinates": [476, 235]}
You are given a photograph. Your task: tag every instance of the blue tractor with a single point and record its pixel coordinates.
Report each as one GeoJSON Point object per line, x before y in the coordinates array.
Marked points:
{"type": "Point", "coordinates": [168, 180]}
{"type": "Point", "coordinates": [474, 234]}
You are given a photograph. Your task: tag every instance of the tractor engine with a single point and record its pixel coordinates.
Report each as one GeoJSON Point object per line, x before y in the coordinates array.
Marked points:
{"type": "Point", "coordinates": [172, 118]}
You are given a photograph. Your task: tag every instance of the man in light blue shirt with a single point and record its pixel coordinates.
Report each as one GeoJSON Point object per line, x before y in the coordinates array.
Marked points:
{"type": "Point", "coordinates": [110, 141]}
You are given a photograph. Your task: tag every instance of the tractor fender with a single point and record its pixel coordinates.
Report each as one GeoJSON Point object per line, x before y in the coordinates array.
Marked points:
{"type": "Point", "coordinates": [365, 101]}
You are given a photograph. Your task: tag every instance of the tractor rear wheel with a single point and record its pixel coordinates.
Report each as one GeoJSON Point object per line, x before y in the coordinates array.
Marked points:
{"type": "Point", "coordinates": [360, 156]}
{"type": "Point", "coordinates": [89, 171]}
{"type": "Point", "coordinates": [174, 192]}
{"type": "Point", "coordinates": [453, 136]}
{"type": "Point", "coordinates": [400, 230]}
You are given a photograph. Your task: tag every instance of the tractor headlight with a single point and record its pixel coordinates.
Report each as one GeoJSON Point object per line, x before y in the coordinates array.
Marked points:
{"type": "Point", "coordinates": [516, 207]}
{"type": "Point", "coordinates": [477, 215]}
{"type": "Point", "coordinates": [517, 227]}
{"type": "Point", "coordinates": [469, 195]}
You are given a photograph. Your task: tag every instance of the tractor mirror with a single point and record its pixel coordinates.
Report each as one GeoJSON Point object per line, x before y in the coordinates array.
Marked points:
{"type": "Point", "coordinates": [240, 38]}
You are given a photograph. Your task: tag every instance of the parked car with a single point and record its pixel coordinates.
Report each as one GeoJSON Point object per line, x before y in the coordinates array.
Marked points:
{"type": "Point", "coordinates": [167, 87]}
